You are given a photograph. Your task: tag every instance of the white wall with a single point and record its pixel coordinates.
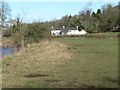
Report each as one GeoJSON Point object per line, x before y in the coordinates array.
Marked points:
{"type": "Point", "coordinates": [76, 32]}
{"type": "Point", "coordinates": [56, 32]}
{"type": "Point", "coordinates": [70, 32]}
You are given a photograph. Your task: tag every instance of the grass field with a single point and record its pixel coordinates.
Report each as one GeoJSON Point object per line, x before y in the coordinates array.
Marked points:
{"type": "Point", "coordinates": [62, 63]}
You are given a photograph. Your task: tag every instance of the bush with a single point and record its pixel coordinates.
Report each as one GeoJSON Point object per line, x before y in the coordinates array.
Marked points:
{"type": "Point", "coordinates": [35, 33]}
{"type": "Point", "coordinates": [7, 33]}
{"type": "Point", "coordinates": [31, 33]}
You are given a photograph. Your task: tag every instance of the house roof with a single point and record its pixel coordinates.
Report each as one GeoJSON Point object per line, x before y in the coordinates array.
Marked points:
{"type": "Point", "coordinates": [65, 30]}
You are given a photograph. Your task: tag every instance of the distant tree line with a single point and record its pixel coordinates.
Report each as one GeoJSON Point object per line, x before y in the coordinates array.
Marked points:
{"type": "Point", "coordinates": [104, 20]}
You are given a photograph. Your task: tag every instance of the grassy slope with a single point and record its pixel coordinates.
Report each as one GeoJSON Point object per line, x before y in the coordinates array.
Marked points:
{"type": "Point", "coordinates": [80, 63]}
{"type": "Point", "coordinates": [43, 59]}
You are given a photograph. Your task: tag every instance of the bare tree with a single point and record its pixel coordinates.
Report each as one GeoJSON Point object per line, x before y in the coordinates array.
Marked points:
{"type": "Point", "coordinates": [4, 13]}
{"type": "Point", "coordinates": [4, 16]}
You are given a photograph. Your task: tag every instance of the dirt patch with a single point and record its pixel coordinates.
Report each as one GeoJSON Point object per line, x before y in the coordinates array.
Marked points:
{"type": "Point", "coordinates": [88, 86]}
{"type": "Point", "coordinates": [71, 48]}
{"type": "Point", "coordinates": [35, 74]}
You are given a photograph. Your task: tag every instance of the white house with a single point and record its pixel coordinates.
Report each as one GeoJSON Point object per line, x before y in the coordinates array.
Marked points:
{"type": "Point", "coordinates": [67, 31]}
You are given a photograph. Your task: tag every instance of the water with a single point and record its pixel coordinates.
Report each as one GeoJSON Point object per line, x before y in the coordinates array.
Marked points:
{"type": "Point", "coordinates": [6, 51]}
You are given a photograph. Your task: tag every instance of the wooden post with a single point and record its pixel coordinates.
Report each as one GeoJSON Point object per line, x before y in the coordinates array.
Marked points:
{"type": "Point", "coordinates": [22, 43]}
{"type": "Point", "coordinates": [1, 24]}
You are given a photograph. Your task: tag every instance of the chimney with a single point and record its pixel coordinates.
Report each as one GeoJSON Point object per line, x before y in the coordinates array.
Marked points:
{"type": "Point", "coordinates": [63, 26]}
{"type": "Point", "coordinates": [52, 27]}
{"type": "Point", "coordinates": [77, 27]}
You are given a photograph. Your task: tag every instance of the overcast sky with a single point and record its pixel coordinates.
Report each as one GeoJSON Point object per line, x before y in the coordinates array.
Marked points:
{"type": "Point", "coordinates": [46, 11]}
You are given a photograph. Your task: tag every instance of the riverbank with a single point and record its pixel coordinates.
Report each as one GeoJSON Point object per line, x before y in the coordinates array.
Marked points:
{"type": "Point", "coordinates": [8, 42]}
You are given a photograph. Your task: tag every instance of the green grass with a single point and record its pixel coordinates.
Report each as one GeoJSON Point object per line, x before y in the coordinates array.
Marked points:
{"type": "Point", "coordinates": [103, 35]}
{"type": "Point", "coordinates": [71, 62]}
{"type": "Point", "coordinates": [95, 61]}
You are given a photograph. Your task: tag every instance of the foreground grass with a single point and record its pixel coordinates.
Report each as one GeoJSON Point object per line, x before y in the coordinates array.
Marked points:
{"type": "Point", "coordinates": [71, 62]}
{"type": "Point", "coordinates": [95, 61]}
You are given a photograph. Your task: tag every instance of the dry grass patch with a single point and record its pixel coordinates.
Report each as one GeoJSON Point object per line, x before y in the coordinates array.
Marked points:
{"type": "Point", "coordinates": [45, 51]}
{"type": "Point", "coordinates": [42, 57]}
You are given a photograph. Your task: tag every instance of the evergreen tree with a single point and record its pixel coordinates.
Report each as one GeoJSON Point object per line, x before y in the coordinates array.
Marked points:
{"type": "Point", "coordinates": [98, 11]}
{"type": "Point", "coordinates": [93, 14]}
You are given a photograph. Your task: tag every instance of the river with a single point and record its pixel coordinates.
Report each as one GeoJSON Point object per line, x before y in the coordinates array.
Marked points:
{"type": "Point", "coordinates": [6, 51]}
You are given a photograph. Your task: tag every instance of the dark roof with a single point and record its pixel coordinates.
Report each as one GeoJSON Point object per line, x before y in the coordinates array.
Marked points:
{"type": "Point", "coordinates": [65, 30]}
